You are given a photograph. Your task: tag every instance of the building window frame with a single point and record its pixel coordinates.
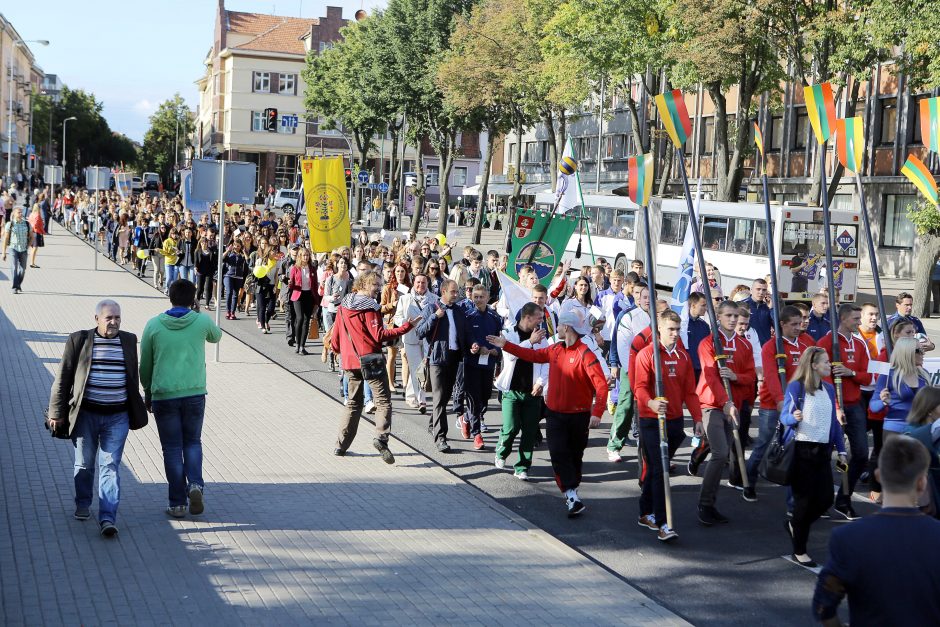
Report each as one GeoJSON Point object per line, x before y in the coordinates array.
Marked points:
{"type": "Point", "coordinates": [257, 122]}
{"type": "Point", "coordinates": [261, 82]}
{"type": "Point", "coordinates": [888, 119]}
{"type": "Point", "coordinates": [896, 230]}
{"type": "Point", "coordinates": [287, 84]}
{"type": "Point", "coordinates": [460, 176]}
{"type": "Point", "coordinates": [432, 175]}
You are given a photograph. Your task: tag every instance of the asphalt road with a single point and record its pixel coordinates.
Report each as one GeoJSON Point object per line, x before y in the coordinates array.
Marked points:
{"type": "Point", "coordinates": [731, 574]}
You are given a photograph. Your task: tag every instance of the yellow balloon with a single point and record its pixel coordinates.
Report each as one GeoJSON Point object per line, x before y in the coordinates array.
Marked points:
{"type": "Point", "coordinates": [442, 239]}
{"type": "Point", "coordinates": [260, 271]}
{"type": "Point", "coordinates": [143, 253]}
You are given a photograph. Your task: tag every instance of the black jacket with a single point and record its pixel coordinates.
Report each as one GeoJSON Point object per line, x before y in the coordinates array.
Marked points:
{"type": "Point", "coordinates": [434, 332]}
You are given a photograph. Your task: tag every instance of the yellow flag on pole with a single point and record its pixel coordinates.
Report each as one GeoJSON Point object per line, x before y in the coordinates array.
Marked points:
{"type": "Point", "coordinates": [326, 203]}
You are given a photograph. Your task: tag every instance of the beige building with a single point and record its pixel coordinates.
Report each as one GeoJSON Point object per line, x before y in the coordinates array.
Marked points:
{"type": "Point", "coordinates": [20, 78]}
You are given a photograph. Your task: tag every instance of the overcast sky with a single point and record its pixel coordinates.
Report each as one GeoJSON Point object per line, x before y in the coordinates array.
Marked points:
{"type": "Point", "coordinates": [134, 54]}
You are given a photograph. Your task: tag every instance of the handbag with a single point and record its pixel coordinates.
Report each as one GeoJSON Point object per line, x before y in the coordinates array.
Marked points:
{"type": "Point", "coordinates": [372, 365]}
{"type": "Point", "coordinates": [314, 329]}
{"type": "Point", "coordinates": [777, 464]}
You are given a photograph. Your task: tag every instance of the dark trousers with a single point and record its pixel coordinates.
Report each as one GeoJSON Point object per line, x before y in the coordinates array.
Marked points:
{"type": "Point", "coordinates": [811, 484]}
{"type": "Point", "coordinates": [289, 319]}
{"type": "Point", "coordinates": [478, 386]}
{"type": "Point", "coordinates": [232, 286]}
{"type": "Point", "coordinates": [567, 438]}
{"type": "Point", "coordinates": [856, 423]}
{"type": "Point", "coordinates": [443, 377]}
{"type": "Point", "coordinates": [653, 494]}
{"type": "Point", "coordinates": [265, 295]}
{"type": "Point", "coordinates": [303, 310]}
{"type": "Point", "coordinates": [744, 422]}
{"type": "Point", "coordinates": [459, 394]}
{"type": "Point", "coordinates": [204, 286]}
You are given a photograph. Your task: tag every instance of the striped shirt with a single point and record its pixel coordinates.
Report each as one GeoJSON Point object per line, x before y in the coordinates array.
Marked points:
{"type": "Point", "coordinates": [106, 388]}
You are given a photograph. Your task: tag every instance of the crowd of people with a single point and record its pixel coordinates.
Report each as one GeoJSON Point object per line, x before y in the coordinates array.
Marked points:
{"type": "Point", "coordinates": [420, 317]}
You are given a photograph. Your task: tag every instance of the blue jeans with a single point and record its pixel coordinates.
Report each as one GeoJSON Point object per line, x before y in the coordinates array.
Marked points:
{"type": "Point", "coordinates": [344, 388]}
{"type": "Point", "coordinates": [179, 423]}
{"type": "Point", "coordinates": [101, 436]}
{"type": "Point", "coordinates": [232, 286]}
{"type": "Point", "coordinates": [172, 273]}
{"type": "Point", "coordinates": [767, 419]}
{"type": "Point", "coordinates": [188, 273]}
{"type": "Point", "coordinates": [18, 267]}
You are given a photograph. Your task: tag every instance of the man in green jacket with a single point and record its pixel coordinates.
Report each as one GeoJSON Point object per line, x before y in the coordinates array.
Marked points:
{"type": "Point", "coordinates": [173, 375]}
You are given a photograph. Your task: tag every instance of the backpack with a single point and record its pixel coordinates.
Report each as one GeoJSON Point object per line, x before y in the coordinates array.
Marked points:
{"type": "Point", "coordinates": [924, 436]}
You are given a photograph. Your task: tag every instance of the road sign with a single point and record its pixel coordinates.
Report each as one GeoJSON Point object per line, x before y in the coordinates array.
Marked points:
{"type": "Point", "coordinates": [845, 240]}
{"type": "Point", "coordinates": [52, 174]}
{"type": "Point", "coordinates": [289, 121]}
{"type": "Point", "coordinates": [30, 149]}
{"type": "Point", "coordinates": [363, 176]}
{"type": "Point", "coordinates": [383, 187]}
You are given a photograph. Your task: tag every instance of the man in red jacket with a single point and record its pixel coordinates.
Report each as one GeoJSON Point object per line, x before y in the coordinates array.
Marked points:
{"type": "Point", "coordinates": [795, 342]}
{"type": "Point", "coordinates": [679, 386]}
{"type": "Point", "coordinates": [357, 331]}
{"type": "Point", "coordinates": [718, 409]}
{"type": "Point", "coordinates": [854, 415]}
{"type": "Point", "coordinates": [577, 395]}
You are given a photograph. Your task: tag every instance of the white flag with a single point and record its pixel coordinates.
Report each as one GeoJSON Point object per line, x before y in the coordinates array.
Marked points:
{"type": "Point", "coordinates": [568, 188]}
{"type": "Point", "coordinates": [680, 293]}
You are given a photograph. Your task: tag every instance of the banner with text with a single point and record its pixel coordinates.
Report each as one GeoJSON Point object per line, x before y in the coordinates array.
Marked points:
{"type": "Point", "coordinates": [326, 203]}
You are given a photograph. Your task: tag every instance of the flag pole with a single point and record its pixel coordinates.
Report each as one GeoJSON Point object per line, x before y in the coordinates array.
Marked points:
{"type": "Point", "coordinates": [583, 217]}
{"type": "Point", "coordinates": [712, 318]}
{"type": "Point", "coordinates": [830, 274]}
{"type": "Point", "coordinates": [873, 260]}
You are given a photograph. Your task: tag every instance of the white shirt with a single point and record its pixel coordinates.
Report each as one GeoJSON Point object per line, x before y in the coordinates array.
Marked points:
{"type": "Point", "coordinates": [817, 418]}
{"type": "Point", "coordinates": [451, 330]}
{"type": "Point", "coordinates": [305, 278]}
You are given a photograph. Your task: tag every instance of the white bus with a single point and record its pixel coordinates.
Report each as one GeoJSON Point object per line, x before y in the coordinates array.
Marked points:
{"type": "Point", "coordinates": [733, 237]}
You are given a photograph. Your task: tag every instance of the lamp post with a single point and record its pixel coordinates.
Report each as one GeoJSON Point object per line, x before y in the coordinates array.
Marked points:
{"type": "Point", "coordinates": [13, 45]}
{"type": "Point", "coordinates": [65, 123]}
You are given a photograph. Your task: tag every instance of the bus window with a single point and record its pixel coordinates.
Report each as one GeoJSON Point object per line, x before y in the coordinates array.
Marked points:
{"type": "Point", "coordinates": [605, 222]}
{"type": "Point", "coordinates": [673, 228]}
{"type": "Point", "coordinates": [715, 233]}
{"type": "Point", "coordinates": [808, 237]}
{"type": "Point", "coordinates": [625, 224]}
{"type": "Point", "coordinates": [760, 238]}
{"type": "Point", "coordinates": [741, 236]}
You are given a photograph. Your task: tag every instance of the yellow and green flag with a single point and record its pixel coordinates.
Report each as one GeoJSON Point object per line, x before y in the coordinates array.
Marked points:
{"type": "Point", "coordinates": [675, 116]}
{"type": "Point", "coordinates": [821, 109]}
{"type": "Point", "coordinates": [640, 178]}
{"type": "Point", "coordinates": [326, 203]}
{"type": "Point", "coordinates": [850, 143]}
{"type": "Point", "coordinates": [920, 176]}
{"type": "Point", "coordinates": [930, 123]}
{"type": "Point", "coordinates": [759, 141]}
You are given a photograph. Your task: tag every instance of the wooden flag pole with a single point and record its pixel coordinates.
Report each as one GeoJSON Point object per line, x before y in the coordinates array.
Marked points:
{"type": "Point", "coordinates": [873, 260]}
{"type": "Point", "coordinates": [712, 317]}
{"type": "Point", "coordinates": [772, 258]}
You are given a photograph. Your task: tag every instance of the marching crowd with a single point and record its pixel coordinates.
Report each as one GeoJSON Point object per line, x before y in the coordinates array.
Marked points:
{"type": "Point", "coordinates": [424, 318]}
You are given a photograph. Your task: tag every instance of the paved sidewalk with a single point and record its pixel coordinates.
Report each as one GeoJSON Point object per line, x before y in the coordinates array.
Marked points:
{"type": "Point", "coordinates": [291, 534]}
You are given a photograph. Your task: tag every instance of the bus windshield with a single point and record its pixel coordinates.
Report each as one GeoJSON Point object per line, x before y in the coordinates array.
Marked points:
{"type": "Point", "coordinates": [807, 238]}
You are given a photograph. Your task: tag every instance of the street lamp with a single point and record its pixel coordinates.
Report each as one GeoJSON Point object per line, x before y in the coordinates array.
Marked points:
{"type": "Point", "coordinates": [65, 123]}
{"type": "Point", "coordinates": [14, 44]}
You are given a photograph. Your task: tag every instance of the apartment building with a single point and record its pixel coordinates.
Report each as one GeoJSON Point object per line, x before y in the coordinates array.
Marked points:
{"type": "Point", "coordinates": [21, 77]}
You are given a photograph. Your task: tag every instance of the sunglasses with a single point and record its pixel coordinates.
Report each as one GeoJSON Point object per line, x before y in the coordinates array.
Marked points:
{"type": "Point", "coordinates": [718, 300]}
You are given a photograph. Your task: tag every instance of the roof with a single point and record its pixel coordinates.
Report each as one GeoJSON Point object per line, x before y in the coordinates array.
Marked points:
{"type": "Point", "coordinates": [272, 33]}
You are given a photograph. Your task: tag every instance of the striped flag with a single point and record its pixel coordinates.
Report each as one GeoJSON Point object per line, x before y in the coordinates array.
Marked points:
{"type": "Point", "coordinates": [850, 142]}
{"type": "Point", "coordinates": [821, 109]}
{"type": "Point", "coordinates": [568, 188]}
{"type": "Point", "coordinates": [930, 123]}
{"type": "Point", "coordinates": [920, 176]}
{"type": "Point", "coordinates": [675, 116]}
{"type": "Point", "coordinates": [640, 177]}
{"type": "Point", "coordinates": [759, 141]}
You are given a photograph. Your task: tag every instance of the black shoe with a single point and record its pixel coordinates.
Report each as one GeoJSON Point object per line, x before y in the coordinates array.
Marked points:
{"type": "Point", "coordinates": [575, 507]}
{"type": "Point", "coordinates": [382, 448]}
{"type": "Point", "coordinates": [708, 516]}
{"type": "Point", "coordinates": [865, 477]}
{"type": "Point", "coordinates": [846, 511]}
{"type": "Point", "coordinates": [290, 342]}
{"type": "Point", "coordinates": [749, 494]}
{"type": "Point", "coordinates": [297, 350]}
{"type": "Point", "coordinates": [809, 564]}
{"type": "Point", "coordinates": [82, 513]}
{"type": "Point", "coordinates": [443, 446]}
{"type": "Point", "coordinates": [692, 468]}
{"type": "Point", "coordinates": [108, 530]}
{"type": "Point", "coordinates": [734, 483]}
{"type": "Point", "coordinates": [303, 351]}
{"type": "Point", "coordinates": [339, 452]}
{"type": "Point", "coordinates": [423, 408]}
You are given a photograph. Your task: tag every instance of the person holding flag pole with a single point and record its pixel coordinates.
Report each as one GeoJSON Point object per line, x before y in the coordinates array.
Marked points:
{"type": "Point", "coordinates": [678, 125]}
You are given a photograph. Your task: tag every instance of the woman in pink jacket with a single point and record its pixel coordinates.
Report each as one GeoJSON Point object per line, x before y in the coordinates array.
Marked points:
{"type": "Point", "coordinates": [304, 297]}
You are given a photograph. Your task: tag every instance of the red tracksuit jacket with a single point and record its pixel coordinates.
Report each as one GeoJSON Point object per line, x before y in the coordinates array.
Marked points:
{"type": "Point", "coordinates": [854, 354]}
{"type": "Point", "coordinates": [711, 390]}
{"type": "Point", "coordinates": [770, 391]}
{"type": "Point", "coordinates": [678, 382]}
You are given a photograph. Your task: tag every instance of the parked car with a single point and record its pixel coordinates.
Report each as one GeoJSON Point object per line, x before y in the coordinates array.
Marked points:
{"type": "Point", "coordinates": [151, 181]}
{"type": "Point", "coordinates": [137, 185]}
{"type": "Point", "coordinates": [287, 199]}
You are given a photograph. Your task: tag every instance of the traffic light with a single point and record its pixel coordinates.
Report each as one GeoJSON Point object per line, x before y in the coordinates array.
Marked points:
{"type": "Point", "coordinates": [270, 120]}
{"type": "Point", "coordinates": [348, 178]}
{"type": "Point", "coordinates": [31, 162]}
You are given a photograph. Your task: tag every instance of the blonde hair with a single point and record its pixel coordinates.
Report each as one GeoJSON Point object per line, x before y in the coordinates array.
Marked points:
{"type": "Point", "coordinates": [804, 371]}
{"type": "Point", "coordinates": [902, 361]}
{"type": "Point", "coordinates": [925, 401]}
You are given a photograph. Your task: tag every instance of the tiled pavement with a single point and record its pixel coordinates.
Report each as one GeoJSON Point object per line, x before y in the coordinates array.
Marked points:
{"type": "Point", "coordinates": [291, 534]}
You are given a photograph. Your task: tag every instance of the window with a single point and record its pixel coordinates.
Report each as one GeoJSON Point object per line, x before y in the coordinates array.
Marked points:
{"type": "Point", "coordinates": [915, 135]}
{"type": "Point", "coordinates": [287, 130]}
{"type": "Point", "coordinates": [708, 136]}
{"type": "Point", "coordinates": [624, 226]}
{"type": "Point", "coordinates": [433, 176]}
{"type": "Point", "coordinates": [760, 237]}
{"type": "Point", "coordinates": [776, 132]}
{"type": "Point", "coordinates": [458, 140]}
{"type": "Point", "coordinates": [673, 228]}
{"type": "Point", "coordinates": [715, 233]}
{"type": "Point", "coordinates": [741, 236]}
{"type": "Point", "coordinates": [322, 122]}
{"type": "Point", "coordinates": [262, 82]}
{"type": "Point", "coordinates": [287, 84]}
{"type": "Point", "coordinates": [257, 121]}
{"type": "Point", "coordinates": [889, 120]}
{"type": "Point", "coordinates": [285, 171]}
{"type": "Point", "coordinates": [512, 153]}
{"type": "Point", "coordinates": [807, 239]}
{"type": "Point", "coordinates": [530, 152]}
{"type": "Point", "coordinates": [897, 231]}
{"type": "Point", "coordinates": [799, 135]}
{"type": "Point", "coordinates": [460, 177]}
{"type": "Point", "coordinates": [324, 46]}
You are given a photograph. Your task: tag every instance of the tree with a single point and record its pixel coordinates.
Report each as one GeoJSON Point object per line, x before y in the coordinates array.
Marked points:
{"type": "Point", "coordinates": [926, 219]}
{"type": "Point", "coordinates": [160, 141]}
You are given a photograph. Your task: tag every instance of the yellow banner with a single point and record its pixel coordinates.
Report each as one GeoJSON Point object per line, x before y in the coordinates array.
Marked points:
{"type": "Point", "coordinates": [326, 203]}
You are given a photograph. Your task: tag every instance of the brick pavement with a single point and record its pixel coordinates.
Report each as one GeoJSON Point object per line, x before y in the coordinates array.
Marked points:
{"type": "Point", "coordinates": [291, 534]}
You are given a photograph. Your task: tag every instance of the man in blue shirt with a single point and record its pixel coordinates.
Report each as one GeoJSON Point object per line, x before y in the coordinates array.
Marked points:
{"type": "Point", "coordinates": [480, 358]}
{"type": "Point", "coordinates": [762, 319]}
{"type": "Point", "coordinates": [904, 303]}
{"type": "Point", "coordinates": [886, 563]}
{"type": "Point", "coordinates": [819, 324]}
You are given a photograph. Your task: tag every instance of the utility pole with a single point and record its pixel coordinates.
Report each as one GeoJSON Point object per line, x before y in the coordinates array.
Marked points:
{"type": "Point", "coordinates": [65, 123]}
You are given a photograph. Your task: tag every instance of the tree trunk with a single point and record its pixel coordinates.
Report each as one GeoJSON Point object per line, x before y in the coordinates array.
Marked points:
{"type": "Point", "coordinates": [517, 185]}
{"type": "Point", "coordinates": [419, 190]}
{"type": "Point", "coordinates": [362, 144]}
{"type": "Point", "coordinates": [393, 166]}
{"type": "Point", "coordinates": [484, 184]}
{"type": "Point", "coordinates": [548, 120]}
{"type": "Point", "coordinates": [561, 136]}
{"type": "Point", "coordinates": [667, 168]}
{"type": "Point", "coordinates": [447, 164]}
{"type": "Point", "coordinates": [928, 250]}
{"type": "Point", "coordinates": [720, 152]}
{"type": "Point", "coordinates": [634, 121]}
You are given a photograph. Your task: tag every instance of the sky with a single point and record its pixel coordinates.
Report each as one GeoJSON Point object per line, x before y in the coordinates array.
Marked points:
{"type": "Point", "coordinates": [134, 54]}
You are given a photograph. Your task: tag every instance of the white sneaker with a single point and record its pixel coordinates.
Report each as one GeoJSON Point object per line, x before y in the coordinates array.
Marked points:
{"type": "Point", "coordinates": [500, 462]}
{"type": "Point", "coordinates": [412, 403]}
{"type": "Point", "coordinates": [614, 456]}
{"type": "Point", "coordinates": [369, 408]}
{"type": "Point", "coordinates": [521, 475]}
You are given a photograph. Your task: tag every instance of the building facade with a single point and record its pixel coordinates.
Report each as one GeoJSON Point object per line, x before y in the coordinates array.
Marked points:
{"type": "Point", "coordinates": [21, 78]}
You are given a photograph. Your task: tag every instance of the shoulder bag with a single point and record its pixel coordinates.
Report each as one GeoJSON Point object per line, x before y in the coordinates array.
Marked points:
{"type": "Point", "coordinates": [777, 464]}
{"type": "Point", "coordinates": [371, 364]}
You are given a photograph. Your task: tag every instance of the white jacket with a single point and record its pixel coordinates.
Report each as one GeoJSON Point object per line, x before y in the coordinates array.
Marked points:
{"type": "Point", "coordinates": [631, 323]}
{"type": "Point", "coordinates": [539, 371]}
{"type": "Point", "coordinates": [408, 308]}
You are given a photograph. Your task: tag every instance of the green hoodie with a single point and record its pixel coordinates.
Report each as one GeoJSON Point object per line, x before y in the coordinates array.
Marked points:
{"type": "Point", "coordinates": [173, 355]}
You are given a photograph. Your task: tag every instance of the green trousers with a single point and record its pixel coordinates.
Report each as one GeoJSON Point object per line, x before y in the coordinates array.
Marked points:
{"type": "Point", "coordinates": [521, 413]}
{"type": "Point", "coordinates": [623, 416]}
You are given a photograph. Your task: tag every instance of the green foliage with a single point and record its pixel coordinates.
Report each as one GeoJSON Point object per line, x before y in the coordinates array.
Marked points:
{"type": "Point", "coordinates": [926, 218]}
{"type": "Point", "coordinates": [159, 150]}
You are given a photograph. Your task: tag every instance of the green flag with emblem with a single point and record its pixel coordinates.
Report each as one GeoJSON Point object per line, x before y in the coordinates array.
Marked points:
{"type": "Point", "coordinates": [544, 256]}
